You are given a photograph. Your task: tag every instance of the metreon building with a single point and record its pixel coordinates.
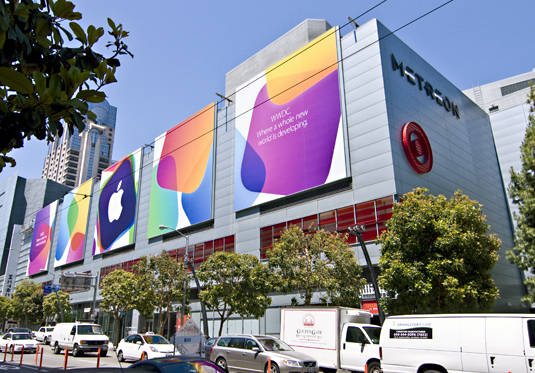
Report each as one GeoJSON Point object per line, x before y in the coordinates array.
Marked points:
{"type": "Point", "coordinates": [324, 130]}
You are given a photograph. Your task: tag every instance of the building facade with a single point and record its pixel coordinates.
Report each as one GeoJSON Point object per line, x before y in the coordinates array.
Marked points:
{"type": "Point", "coordinates": [327, 135]}
{"type": "Point", "coordinates": [74, 159]}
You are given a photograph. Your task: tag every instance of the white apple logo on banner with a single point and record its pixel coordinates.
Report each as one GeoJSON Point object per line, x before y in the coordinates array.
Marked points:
{"type": "Point", "coordinates": [115, 207]}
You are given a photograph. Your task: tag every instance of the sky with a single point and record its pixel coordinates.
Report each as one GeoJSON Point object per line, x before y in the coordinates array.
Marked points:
{"type": "Point", "coordinates": [182, 51]}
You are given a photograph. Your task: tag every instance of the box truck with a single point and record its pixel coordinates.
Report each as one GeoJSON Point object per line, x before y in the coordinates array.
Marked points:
{"type": "Point", "coordinates": [337, 337]}
{"type": "Point", "coordinates": [458, 343]}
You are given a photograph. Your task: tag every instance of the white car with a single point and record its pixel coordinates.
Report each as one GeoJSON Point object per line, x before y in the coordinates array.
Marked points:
{"type": "Point", "coordinates": [18, 340]}
{"type": "Point", "coordinates": [44, 333]}
{"type": "Point", "coordinates": [148, 345]}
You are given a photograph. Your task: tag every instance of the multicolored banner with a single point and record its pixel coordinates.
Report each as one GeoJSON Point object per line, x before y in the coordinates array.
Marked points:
{"type": "Point", "coordinates": [73, 225]}
{"type": "Point", "coordinates": [42, 239]}
{"type": "Point", "coordinates": [292, 139]}
{"type": "Point", "coordinates": [182, 174]}
{"type": "Point", "coordinates": [116, 213]}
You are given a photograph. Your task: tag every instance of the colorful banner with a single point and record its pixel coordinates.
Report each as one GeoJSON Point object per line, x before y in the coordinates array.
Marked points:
{"type": "Point", "coordinates": [73, 225]}
{"type": "Point", "coordinates": [292, 139]}
{"type": "Point", "coordinates": [42, 239]}
{"type": "Point", "coordinates": [182, 174]}
{"type": "Point", "coordinates": [116, 211]}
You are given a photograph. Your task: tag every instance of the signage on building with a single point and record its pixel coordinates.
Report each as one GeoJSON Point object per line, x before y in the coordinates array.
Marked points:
{"type": "Point", "coordinates": [425, 86]}
{"type": "Point", "coordinates": [370, 306]}
{"type": "Point", "coordinates": [42, 239]}
{"type": "Point", "coordinates": [417, 147]}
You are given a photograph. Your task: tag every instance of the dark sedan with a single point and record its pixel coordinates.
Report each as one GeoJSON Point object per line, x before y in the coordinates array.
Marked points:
{"type": "Point", "coordinates": [177, 364]}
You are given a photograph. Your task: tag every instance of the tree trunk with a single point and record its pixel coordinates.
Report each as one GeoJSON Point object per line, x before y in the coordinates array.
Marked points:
{"type": "Point", "coordinates": [163, 320]}
{"type": "Point", "coordinates": [116, 324]}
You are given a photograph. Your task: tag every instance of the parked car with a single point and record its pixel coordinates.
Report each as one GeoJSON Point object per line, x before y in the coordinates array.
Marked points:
{"type": "Point", "coordinates": [44, 334]}
{"type": "Point", "coordinates": [18, 340]}
{"type": "Point", "coordinates": [177, 364]}
{"type": "Point", "coordinates": [19, 330]}
{"type": "Point", "coordinates": [208, 344]}
{"type": "Point", "coordinates": [150, 345]}
{"type": "Point", "coordinates": [251, 353]}
{"type": "Point", "coordinates": [79, 338]}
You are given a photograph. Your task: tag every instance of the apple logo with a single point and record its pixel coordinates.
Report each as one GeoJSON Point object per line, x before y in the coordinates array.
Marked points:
{"type": "Point", "coordinates": [115, 207]}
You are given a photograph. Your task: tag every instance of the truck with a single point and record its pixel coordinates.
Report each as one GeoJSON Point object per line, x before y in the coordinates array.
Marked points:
{"type": "Point", "coordinates": [473, 343]}
{"type": "Point", "coordinates": [44, 334]}
{"type": "Point", "coordinates": [79, 337]}
{"type": "Point", "coordinates": [337, 337]}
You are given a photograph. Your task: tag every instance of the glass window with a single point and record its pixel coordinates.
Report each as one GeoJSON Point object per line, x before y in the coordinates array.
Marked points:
{"type": "Point", "coordinates": [531, 332]}
{"type": "Point", "coordinates": [89, 329]}
{"type": "Point", "coordinates": [310, 223]}
{"type": "Point", "coordinates": [384, 208]}
{"type": "Point", "coordinates": [355, 335]}
{"type": "Point", "coordinates": [373, 332]}
{"type": "Point", "coordinates": [156, 340]}
{"type": "Point", "coordinates": [130, 339]}
{"type": "Point", "coordinates": [365, 212]}
{"type": "Point", "coordinates": [237, 343]}
{"type": "Point", "coordinates": [250, 344]}
{"type": "Point", "coordinates": [272, 344]}
{"type": "Point", "coordinates": [328, 221]}
{"type": "Point", "coordinates": [223, 342]}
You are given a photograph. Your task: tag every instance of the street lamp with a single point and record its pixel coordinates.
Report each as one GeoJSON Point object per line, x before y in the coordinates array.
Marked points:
{"type": "Point", "coordinates": [187, 261]}
{"type": "Point", "coordinates": [357, 230]}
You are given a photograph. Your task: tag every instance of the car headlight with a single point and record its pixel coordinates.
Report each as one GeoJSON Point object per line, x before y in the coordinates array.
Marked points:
{"type": "Point", "coordinates": [153, 349]}
{"type": "Point", "coordinates": [292, 363]}
{"type": "Point", "coordinates": [82, 342]}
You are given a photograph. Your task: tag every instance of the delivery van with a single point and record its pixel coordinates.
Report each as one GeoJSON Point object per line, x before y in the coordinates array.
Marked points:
{"type": "Point", "coordinates": [458, 343]}
{"type": "Point", "coordinates": [79, 337]}
{"type": "Point", "coordinates": [337, 337]}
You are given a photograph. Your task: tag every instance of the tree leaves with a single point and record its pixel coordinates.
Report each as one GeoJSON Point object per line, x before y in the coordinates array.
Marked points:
{"type": "Point", "coordinates": [15, 80]}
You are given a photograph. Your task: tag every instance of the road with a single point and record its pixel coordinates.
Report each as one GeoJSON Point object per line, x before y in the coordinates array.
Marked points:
{"type": "Point", "coordinates": [52, 362]}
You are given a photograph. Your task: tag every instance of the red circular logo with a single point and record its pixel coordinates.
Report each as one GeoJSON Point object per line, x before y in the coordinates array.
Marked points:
{"type": "Point", "coordinates": [417, 148]}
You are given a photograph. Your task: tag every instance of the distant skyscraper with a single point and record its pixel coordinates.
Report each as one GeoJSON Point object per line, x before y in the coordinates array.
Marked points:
{"type": "Point", "coordinates": [505, 102]}
{"type": "Point", "coordinates": [73, 159]}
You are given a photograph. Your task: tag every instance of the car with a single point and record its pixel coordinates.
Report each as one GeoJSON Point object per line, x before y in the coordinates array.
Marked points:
{"type": "Point", "coordinates": [148, 345]}
{"type": "Point", "coordinates": [208, 346]}
{"type": "Point", "coordinates": [19, 330]}
{"type": "Point", "coordinates": [44, 334]}
{"type": "Point", "coordinates": [18, 340]}
{"type": "Point", "coordinates": [257, 353]}
{"type": "Point", "coordinates": [176, 364]}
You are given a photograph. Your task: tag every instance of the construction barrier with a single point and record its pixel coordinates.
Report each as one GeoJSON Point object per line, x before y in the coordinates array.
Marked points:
{"type": "Point", "coordinates": [269, 366]}
{"type": "Point", "coordinates": [65, 359]}
{"type": "Point", "coordinates": [12, 352]}
{"type": "Point", "coordinates": [5, 353]}
{"type": "Point", "coordinates": [366, 368]}
{"type": "Point", "coordinates": [143, 355]}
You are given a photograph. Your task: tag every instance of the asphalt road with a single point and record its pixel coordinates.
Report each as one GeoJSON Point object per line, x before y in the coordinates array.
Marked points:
{"type": "Point", "coordinates": [53, 363]}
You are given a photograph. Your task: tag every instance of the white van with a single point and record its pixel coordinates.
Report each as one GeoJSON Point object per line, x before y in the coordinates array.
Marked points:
{"type": "Point", "coordinates": [458, 343]}
{"type": "Point", "coordinates": [79, 338]}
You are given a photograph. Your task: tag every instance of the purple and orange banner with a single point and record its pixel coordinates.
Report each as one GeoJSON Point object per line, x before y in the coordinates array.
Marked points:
{"type": "Point", "coordinates": [42, 239]}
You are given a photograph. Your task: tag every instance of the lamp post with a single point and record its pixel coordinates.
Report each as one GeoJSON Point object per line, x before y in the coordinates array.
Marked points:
{"type": "Point", "coordinates": [357, 230]}
{"type": "Point", "coordinates": [188, 263]}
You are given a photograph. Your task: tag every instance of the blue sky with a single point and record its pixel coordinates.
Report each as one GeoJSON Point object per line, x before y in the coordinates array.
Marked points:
{"type": "Point", "coordinates": [182, 51]}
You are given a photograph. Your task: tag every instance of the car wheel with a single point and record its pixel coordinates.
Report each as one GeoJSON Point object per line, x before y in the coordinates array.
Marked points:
{"type": "Point", "coordinates": [374, 367]}
{"type": "Point", "coordinates": [222, 363]}
{"type": "Point", "coordinates": [57, 350]}
{"type": "Point", "coordinates": [45, 340]}
{"type": "Point", "coordinates": [274, 368]}
{"type": "Point", "coordinates": [120, 356]}
{"type": "Point", "coordinates": [76, 350]}
{"type": "Point", "coordinates": [103, 353]}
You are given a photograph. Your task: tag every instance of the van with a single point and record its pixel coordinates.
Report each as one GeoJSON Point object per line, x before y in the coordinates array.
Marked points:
{"type": "Point", "coordinates": [79, 338]}
{"type": "Point", "coordinates": [458, 343]}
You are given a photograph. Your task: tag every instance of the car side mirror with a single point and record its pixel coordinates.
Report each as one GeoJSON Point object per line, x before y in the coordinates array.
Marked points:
{"type": "Point", "coordinates": [139, 343]}
{"type": "Point", "coordinates": [256, 349]}
{"type": "Point", "coordinates": [362, 346]}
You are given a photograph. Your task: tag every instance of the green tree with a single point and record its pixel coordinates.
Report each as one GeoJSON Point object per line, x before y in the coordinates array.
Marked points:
{"type": "Point", "coordinates": [26, 304]}
{"type": "Point", "coordinates": [436, 256]}
{"type": "Point", "coordinates": [43, 80]}
{"type": "Point", "coordinates": [522, 192]}
{"type": "Point", "coordinates": [119, 296]}
{"type": "Point", "coordinates": [161, 283]}
{"type": "Point", "coordinates": [4, 311]}
{"type": "Point", "coordinates": [50, 305]}
{"type": "Point", "coordinates": [235, 284]}
{"type": "Point", "coordinates": [318, 262]}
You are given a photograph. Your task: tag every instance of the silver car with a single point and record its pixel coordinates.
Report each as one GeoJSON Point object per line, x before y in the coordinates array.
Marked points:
{"type": "Point", "coordinates": [252, 353]}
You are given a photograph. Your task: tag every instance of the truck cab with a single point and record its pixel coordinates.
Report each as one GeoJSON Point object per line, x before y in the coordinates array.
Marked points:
{"type": "Point", "coordinates": [359, 345]}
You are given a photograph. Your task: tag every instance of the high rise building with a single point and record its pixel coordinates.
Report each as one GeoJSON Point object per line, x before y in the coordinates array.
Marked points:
{"type": "Point", "coordinates": [77, 157]}
{"type": "Point", "coordinates": [505, 102]}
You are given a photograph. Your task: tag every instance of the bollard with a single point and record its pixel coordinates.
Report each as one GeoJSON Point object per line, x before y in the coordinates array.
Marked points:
{"type": "Point", "coordinates": [65, 358]}
{"type": "Point", "coordinates": [36, 354]}
{"type": "Point", "coordinates": [5, 353]}
{"type": "Point", "coordinates": [98, 358]}
{"type": "Point", "coordinates": [12, 352]}
{"type": "Point", "coordinates": [143, 355]}
{"type": "Point", "coordinates": [366, 368]}
{"type": "Point", "coordinates": [21, 354]}
{"type": "Point", "coordinates": [269, 366]}
{"type": "Point", "coordinates": [41, 361]}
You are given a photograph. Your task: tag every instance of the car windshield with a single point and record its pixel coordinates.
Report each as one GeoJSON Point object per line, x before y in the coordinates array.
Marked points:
{"type": "Point", "coordinates": [21, 336]}
{"type": "Point", "coordinates": [271, 344]}
{"type": "Point", "coordinates": [89, 329]}
{"type": "Point", "coordinates": [49, 329]}
{"type": "Point", "coordinates": [373, 332]}
{"type": "Point", "coordinates": [155, 340]}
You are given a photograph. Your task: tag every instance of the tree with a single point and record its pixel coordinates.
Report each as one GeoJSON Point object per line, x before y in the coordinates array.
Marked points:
{"type": "Point", "coordinates": [235, 284]}
{"type": "Point", "coordinates": [4, 310]}
{"type": "Point", "coordinates": [118, 291]}
{"type": "Point", "coordinates": [161, 283]}
{"type": "Point", "coordinates": [50, 305]}
{"type": "Point", "coordinates": [436, 256]}
{"type": "Point", "coordinates": [318, 262]}
{"type": "Point", "coordinates": [42, 80]}
{"type": "Point", "coordinates": [27, 302]}
{"type": "Point", "coordinates": [522, 192]}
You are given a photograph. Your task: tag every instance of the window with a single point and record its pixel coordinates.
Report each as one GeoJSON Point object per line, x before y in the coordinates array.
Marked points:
{"type": "Point", "coordinates": [237, 343]}
{"type": "Point", "coordinates": [250, 344]}
{"type": "Point", "coordinates": [355, 335]}
{"type": "Point", "coordinates": [531, 332]}
{"type": "Point", "coordinates": [328, 221]}
{"type": "Point", "coordinates": [223, 342]}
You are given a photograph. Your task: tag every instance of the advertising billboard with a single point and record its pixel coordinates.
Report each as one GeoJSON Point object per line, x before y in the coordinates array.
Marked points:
{"type": "Point", "coordinates": [289, 134]}
{"type": "Point", "coordinates": [182, 174]}
{"type": "Point", "coordinates": [117, 202]}
{"type": "Point", "coordinates": [42, 239]}
{"type": "Point", "coordinates": [73, 225]}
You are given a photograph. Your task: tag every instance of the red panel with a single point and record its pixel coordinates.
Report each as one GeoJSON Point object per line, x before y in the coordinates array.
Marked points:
{"type": "Point", "coordinates": [208, 249]}
{"type": "Point", "coordinates": [310, 223]}
{"type": "Point", "coordinates": [296, 222]}
{"type": "Point", "coordinates": [345, 217]}
{"type": "Point", "coordinates": [381, 226]}
{"type": "Point", "coordinates": [370, 232]}
{"type": "Point", "coordinates": [384, 208]}
{"type": "Point", "coordinates": [219, 244]}
{"type": "Point", "coordinates": [371, 306]}
{"type": "Point", "coordinates": [328, 221]}
{"type": "Point", "coordinates": [229, 244]}
{"type": "Point", "coordinates": [365, 212]}
{"type": "Point", "coordinates": [266, 240]}
{"type": "Point", "coordinates": [197, 252]}
{"type": "Point", "coordinates": [277, 230]}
